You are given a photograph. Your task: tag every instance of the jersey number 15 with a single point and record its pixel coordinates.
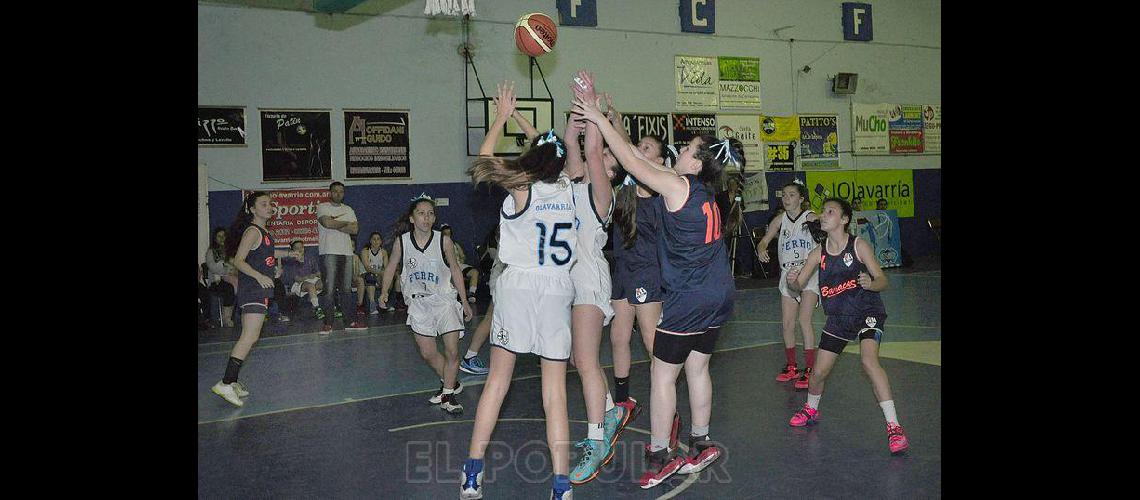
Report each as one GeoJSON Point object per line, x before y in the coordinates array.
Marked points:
{"type": "Point", "coordinates": [554, 242]}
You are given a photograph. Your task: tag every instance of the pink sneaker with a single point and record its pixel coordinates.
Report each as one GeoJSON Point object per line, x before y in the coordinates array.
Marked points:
{"type": "Point", "coordinates": [807, 416]}
{"type": "Point", "coordinates": [896, 438]}
{"type": "Point", "coordinates": [788, 374]}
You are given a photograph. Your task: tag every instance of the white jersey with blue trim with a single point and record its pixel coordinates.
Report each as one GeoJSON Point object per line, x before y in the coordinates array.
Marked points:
{"type": "Point", "coordinates": [425, 269]}
{"type": "Point", "coordinates": [542, 234]}
{"type": "Point", "coordinates": [795, 240]}
{"type": "Point", "coordinates": [592, 236]}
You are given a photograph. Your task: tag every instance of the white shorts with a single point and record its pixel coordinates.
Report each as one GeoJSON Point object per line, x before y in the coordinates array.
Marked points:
{"type": "Point", "coordinates": [532, 313]}
{"type": "Point", "coordinates": [435, 315]}
{"type": "Point", "coordinates": [811, 286]}
{"type": "Point", "coordinates": [297, 288]}
{"type": "Point", "coordinates": [592, 286]}
{"type": "Point", "coordinates": [496, 271]}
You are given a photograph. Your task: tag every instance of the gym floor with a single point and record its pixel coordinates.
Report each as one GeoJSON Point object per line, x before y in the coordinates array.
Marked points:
{"type": "Point", "coordinates": [347, 416]}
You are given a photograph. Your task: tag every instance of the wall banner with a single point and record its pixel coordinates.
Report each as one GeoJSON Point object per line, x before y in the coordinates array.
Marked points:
{"type": "Point", "coordinates": [294, 214]}
{"type": "Point", "coordinates": [880, 228]}
{"type": "Point", "coordinates": [896, 187]}
{"type": "Point", "coordinates": [906, 129]}
{"type": "Point", "coordinates": [221, 126]}
{"type": "Point", "coordinates": [696, 83]}
{"type": "Point", "coordinates": [780, 156]}
{"type": "Point", "coordinates": [295, 145]}
{"type": "Point", "coordinates": [746, 129]}
{"type": "Point", "coordinates": [686, 126]}
{"type": "Point", "coordinates": [869, 128]}
{"type": "Point", "coordinates": [819, 142]}
{"type": "Point", "coordinates": [739, 83]}
{"type": "Point", "coordinates": [755, 193]}
{"type": "Point", "coordinates": [779, 128]}
{"type": "Point", "coordinates": [376, 145]}
{"type": "Point", "coordinates": [639, 125]}
{"type": "Point", "coordinates": [932, 128]}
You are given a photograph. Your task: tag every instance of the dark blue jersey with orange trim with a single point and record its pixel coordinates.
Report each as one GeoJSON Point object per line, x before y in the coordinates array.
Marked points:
{"type": "Point", "coordinates": [262, 260]}
{"type": "Point", "coordinates": [691, 246]}
{"type": "Point", "coordinates": [839, 284]}
{"type": "Point", "coordinates": [642, 256]}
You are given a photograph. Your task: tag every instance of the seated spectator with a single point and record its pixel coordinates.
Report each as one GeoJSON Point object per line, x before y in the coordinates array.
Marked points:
{"type": "Point", "coordinates": [470, 274]}
{"type": "Point", "coordinates": [221, 277]}
{"type": "Point", "coordinates": [302, 277]}
{"type": "Point", "coordinates": [374, 258]}
{"type": "Point", "coordinates": [203, 301]}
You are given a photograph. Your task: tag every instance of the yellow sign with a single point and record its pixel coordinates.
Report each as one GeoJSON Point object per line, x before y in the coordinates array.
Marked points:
{"type": "Point", "coordinates": [896, 187]}
{"type": "Point", "coordinates": [779, 128]}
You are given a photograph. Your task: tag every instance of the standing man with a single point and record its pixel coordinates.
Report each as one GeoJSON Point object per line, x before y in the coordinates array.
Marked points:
{"type": "Point", "coordinates": [336, 226]}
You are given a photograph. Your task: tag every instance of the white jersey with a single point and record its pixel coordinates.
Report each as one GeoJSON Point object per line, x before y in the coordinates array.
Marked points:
{"type": "Point", "coordinates": [795, 240]}
{"type": "Point", "coordinates": [425, 269]}
{"type": "Point", "coordinates": [592, 236]}
{"type": "Point", "coordinates": [542, 235]}
{"type": "Point", "coordinates": [375, 259]}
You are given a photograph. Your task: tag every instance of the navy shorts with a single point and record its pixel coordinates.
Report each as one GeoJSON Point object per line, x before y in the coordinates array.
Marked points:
{"type": "Point", "coordinates": [696, 311]}
{"type": "Point", "coordinates": [641, 287]}
{"type": "Point", "coordinates": [258, 306]}
{"type": "Point", "coordinates": [675, 349]}
{"type": "Point", "coordinates": [370, 279]}
{"type": "Point", "coordinates": [840, 330]}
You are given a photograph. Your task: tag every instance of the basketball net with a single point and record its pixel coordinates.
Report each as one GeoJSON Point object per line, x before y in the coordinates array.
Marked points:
{"type": "Point", "coordinates": [450, 7]}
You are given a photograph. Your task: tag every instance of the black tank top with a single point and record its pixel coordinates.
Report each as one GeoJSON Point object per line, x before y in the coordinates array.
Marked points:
{"type": "Point", "coordinates": [839, 286]}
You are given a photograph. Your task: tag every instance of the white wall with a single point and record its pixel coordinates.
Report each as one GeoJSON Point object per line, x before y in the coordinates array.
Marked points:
{"type": "Point", "coordinates": [401, 59]}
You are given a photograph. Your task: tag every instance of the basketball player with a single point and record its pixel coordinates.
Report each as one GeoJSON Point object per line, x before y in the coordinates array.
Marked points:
{"type": "Point", "coordinates": [795, 242]}
{"type": "Point", "coordinates": [431, 284]}
{"type": "Point", "coordinates": [534, 294]}
{"type": "Point", "coordinates": [850, 280]}
{"type": "Point", "coordinates": [698, 288]}
{"type": "Point", "coordinates": [251, 247]}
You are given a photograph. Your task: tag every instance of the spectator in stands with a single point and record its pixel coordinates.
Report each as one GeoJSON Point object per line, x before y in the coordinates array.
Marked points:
{"type": "Point", "coordinates": [222, 277]}
{"type": "Point", "coordinates": [302, 277]}
{"type": "Point", "coordinates": [470, 273]}
{"type": "Point", "coordinates": [374, 258]}
{"type": "Point", "coordinates": [336, 225]}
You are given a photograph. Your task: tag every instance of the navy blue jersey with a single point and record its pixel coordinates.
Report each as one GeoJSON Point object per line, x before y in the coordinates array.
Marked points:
{"type": "Point", "coordinates": [262, 260]}
{"type": "Point", "coordinates": [839, 286]}
{"type": "Point", "coordinates": [691, 245]}
{"type": "Point", "coordinates": [695, 270]}
{"type": "Point", "coordinates": [642, 256]}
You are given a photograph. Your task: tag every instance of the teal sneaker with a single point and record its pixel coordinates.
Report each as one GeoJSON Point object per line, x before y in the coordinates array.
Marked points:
{"type": "Point", "coordinates": [595, 455]}
{"type": "Point", "coordinates": [618, 418]}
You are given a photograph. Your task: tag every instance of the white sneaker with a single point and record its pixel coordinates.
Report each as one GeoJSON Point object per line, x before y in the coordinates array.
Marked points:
{"type": "Point", "coordinates": [471, 486]}
{"type": "Point", "coordinates": [240, 389]}
{"type": "Point", "coordinates": [438, 397]}
{"type": "Point", "coordinates": [451, 405]}
{"type": "Point", "coordinates": [227, 392]}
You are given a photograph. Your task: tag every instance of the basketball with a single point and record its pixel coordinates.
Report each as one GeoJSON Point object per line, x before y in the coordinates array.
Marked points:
{"type": "Point", "coordinates": [535, 34]}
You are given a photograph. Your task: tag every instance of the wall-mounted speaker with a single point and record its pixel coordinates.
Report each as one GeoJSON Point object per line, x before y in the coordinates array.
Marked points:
{"type": "Point", "coordinates": [845, 83]}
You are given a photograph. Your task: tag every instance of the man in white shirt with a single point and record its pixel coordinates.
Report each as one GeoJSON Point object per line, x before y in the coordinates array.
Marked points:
{"type": "Point", "coordinates": [336, 224]}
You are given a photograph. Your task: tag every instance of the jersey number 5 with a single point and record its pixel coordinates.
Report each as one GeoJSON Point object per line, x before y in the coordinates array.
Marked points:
{"type": "Point", "coordinates": [712, 221]}
{"type": "Point", "coordinates": [554, 242]}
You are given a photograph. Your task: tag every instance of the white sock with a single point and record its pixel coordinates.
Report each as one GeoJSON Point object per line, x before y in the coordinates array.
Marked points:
{"type": "Point", "coordinates": [471, 290]}
{"type": "Point", "coordinates": [609, 402]}
{"type": "Point", "coordinates": [313, 301]}
{"type": "Point", "coordinates": [470, 354]}
{"type": "Point", "coordinates": [889, 411]}
{"type": "Point", "coordinates": [595, 431]}
{"type": "Point", "coordinates": [448, 391]}
{"type": "Point", "coordinates": [813, 401]}
{"type": "Point", "coordinates": [699, 431]}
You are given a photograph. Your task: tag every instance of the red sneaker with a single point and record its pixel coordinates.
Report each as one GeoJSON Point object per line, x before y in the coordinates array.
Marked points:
{"type": "Point", "coordinates": [659, 465]}
{"type": "Point", "coordinates": [896, 439]}
{"type": "Point", "coordinates": [674, 431]}
{"type": "Point", "coordinates": [806, 416]}
{"type": "Point", "coordinates": [702, 453]}
{"type": "Point", "coordinates": [356, 325]}
{"type": "Point", "coordinates": [787, 374]}
{"type": "Point", "coordinates": [802, 382]}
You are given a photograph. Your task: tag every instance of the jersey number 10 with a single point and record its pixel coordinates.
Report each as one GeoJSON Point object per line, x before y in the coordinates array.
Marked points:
{"type": "Point", "coordinates": [712, 221]}
{"type": "Point", "coordinates": [554, 242]}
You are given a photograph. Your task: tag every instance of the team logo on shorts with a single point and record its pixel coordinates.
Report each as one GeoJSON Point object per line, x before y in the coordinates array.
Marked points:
{"type": "Point", "coordinates": [502, 337]}
{"type": "Point", "coordinates": [847, 259]}
{"type": "Point", "coordinates": [871, 321]}
{"type": "Point", "coordinates": [412, 263]}
{"type": "Point", "coordinates": [641, 295]}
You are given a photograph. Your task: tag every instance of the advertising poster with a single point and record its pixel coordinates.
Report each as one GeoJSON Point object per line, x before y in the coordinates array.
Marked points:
{"type": "Point", "coordinates": [905, 129]}
{"type": "Point", "coordinates": [221, 126]}
{"type": "Point", "coordinates": [894, 187]}
{"type": "Point", "coordinates": [294, 214]}
{"type": "Point", "coordinates": [780, 156]}
{"type": "Point", "coordinates": [819, 142]}
{"type": "Point", "coordinates": [295, 145]}
{"type": "Point", "coordinates": [779, 128]}
{"type": "Point", "coordinates": [755, 193]}
{"type": "Point", "coordinates": [746, 129]}
{"type": "Point", "coordinates": [686, 126]}
{"type": "Point", "coordinates": [869, 128]}
{"type": "Point", "coordinates": [639, 125]}
{"type": "Point", "coordinates": [932, 128]}
{"type": "Point", "coordinates": [696, 83]}
{"type": "Point", "coordinates": [739, 82]}
{"type": "Point", "coordinates": [880, 228]}
{"type": "Point", "coordinates": [376, 145]}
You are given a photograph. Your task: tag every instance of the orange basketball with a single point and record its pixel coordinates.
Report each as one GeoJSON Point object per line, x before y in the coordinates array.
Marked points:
{"type": "Point", "coordinates": [535, 34]}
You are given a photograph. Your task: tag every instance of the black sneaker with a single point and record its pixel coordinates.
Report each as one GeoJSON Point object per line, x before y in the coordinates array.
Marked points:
{"type": "Point", "coordinates": [451, 405]}
{"type": "Point", "coordinates": [438, 397]}
{"type": "Point", "coordinates": [702, 453]}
